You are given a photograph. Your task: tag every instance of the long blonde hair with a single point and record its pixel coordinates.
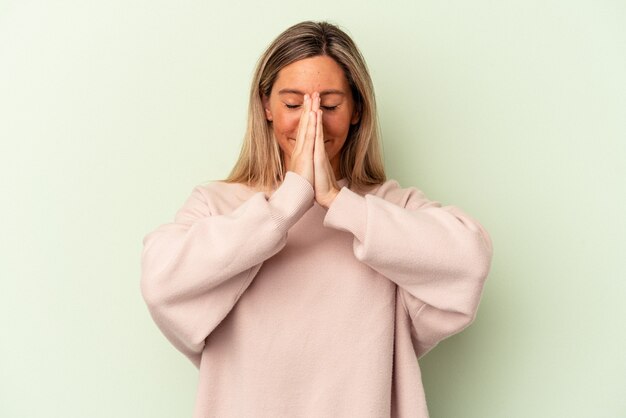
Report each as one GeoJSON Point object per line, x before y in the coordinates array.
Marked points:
{"type": "Point", "coordinates": [260, 164]}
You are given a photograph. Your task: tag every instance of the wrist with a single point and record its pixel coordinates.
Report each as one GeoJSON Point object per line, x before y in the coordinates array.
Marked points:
{"type": "Point", "coordinates": [330, 198]}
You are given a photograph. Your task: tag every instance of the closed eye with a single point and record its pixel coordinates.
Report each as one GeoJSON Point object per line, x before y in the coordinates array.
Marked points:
{"type": "Point", "coordinates": [329, 108]}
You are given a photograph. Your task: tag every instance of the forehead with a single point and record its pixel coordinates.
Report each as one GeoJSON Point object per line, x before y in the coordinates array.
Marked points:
{"type": "Point", "coordinates": [312, 74]}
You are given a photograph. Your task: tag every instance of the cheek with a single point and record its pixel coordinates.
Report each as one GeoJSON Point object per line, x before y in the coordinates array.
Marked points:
{"type": "Point", "coordinates": [286, 124]}
{"type": "Point", "coordinates": [336, 125]}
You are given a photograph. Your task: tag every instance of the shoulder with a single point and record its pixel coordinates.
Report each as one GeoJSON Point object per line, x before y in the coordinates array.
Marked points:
{"type": "Point", "coordinates": [222, 197]}
{"type": "Point", "coordinates": [409, 197]}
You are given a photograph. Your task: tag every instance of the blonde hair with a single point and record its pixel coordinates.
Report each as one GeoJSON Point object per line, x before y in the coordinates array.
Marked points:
{"type": "Point", "coordinates": [260, 164]}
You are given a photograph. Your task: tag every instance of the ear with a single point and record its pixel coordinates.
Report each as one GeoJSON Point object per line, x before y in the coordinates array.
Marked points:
{"type": "Point", "coordinates": [356, 116]}
{"type": "Point", "coordinates": [266, 107]}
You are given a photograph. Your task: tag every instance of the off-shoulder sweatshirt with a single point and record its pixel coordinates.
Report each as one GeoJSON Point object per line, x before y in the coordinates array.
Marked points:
{"type": "Point", "coordinates": [289, 309]}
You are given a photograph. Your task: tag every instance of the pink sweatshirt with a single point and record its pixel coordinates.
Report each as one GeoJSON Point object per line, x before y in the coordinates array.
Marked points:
{"type": "Point", "coordinates": [292, 310]}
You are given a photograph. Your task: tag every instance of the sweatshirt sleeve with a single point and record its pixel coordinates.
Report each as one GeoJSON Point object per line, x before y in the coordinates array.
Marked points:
{"type": "Point", "coordinates": [438, 256]}
{"type": "Point", "coordinates": [194, 269]}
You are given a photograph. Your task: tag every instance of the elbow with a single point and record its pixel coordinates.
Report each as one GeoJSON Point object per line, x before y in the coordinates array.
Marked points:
{"type": "Point", "coordinates": [483, 252]}
{"type": "Point", "coordinates": [150, 294]}
{"type": "Point", "coordinates": [154, 285]}
{"type": "Point", "coordinates": [152, 289]}
{"type": "Point", "coordinates": [474, 245]}
{"type": "Point", "coordinates": [478, 252]}
{"type": "Point", "coordinates": [466, 294]}
{"type": "Point", "coordinates": [467, 318]}
{"type": "Point", "coordinates": [433, 325]}
{"type": "Point", "coordinates": [479, 265]}
{"type": "Point", "coordinates": [471, 288]}
{"type": "Point", "coordinates": [147, 291]}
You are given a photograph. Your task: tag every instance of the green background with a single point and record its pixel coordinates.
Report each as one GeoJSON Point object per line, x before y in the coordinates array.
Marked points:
{"type": "Point", "coordinates": [112, 111]}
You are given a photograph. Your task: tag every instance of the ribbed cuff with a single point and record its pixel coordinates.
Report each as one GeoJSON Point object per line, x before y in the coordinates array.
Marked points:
{"type": "Point", "coordinates": [291, 200]}
{"type": "Point", "coordinates": [348, 212]}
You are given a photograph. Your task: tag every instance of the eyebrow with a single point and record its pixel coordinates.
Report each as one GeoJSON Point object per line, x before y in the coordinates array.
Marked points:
{"type": "Point", "coordinates": [322, 93]}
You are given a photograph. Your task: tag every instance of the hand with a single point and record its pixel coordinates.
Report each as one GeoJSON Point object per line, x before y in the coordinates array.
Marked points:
{"type": "Point", "coordinates": [309, 158]}
{"type": "Point", "coordinates": [301, 161]}
{"type": "Point", "coordinates": [326, 187]}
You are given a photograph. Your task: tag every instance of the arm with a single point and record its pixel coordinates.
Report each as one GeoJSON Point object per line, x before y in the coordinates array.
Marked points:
{"type": "Point", "coordinates": [438, 256]}
{"type": "Point", "coordinates": [194, 270]}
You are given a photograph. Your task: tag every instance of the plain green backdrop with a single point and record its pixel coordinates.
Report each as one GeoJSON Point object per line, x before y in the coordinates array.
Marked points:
{"type": "Point", "coordinates": [112, 111]}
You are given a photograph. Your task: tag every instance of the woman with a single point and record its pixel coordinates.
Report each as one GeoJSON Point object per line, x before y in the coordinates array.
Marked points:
{"type": "Point", "coordinates": [306, 284]}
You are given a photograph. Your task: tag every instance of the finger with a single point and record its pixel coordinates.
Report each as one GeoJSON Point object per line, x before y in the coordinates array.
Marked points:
{"type": "Point", "coordinates": [309, 142]}
{"type": "Point", "coordinates": [320, 149]}
{"type": "Point", "coordinates": [302, 126]}
{"type": "Point", "coordinates": [316, 100]}
{"type": "Point", "coordinates": [322, 164]}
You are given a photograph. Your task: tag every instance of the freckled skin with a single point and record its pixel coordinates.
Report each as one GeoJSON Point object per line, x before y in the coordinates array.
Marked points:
{"type": "Point", "coordinates": [317, 74]}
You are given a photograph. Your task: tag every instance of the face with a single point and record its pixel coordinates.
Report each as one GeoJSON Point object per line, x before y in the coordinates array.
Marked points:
{"type": "Point", "coordinates": [284, 105]}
